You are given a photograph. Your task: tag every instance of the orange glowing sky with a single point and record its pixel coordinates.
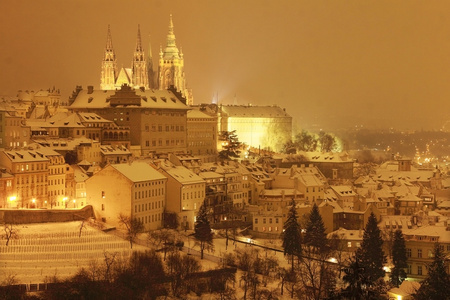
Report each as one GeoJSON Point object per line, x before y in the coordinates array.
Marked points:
{"type": "Point", "coordinates": [329, 63]}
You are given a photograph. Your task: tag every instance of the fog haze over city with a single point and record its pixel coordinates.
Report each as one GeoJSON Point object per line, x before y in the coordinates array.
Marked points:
{"type": "Point", "coordinates": [331, 64]}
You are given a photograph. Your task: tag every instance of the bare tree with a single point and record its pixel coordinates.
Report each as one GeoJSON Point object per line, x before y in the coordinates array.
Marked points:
{"type": "Point", "coordinates": [338, 247]}
{"type": "Point", "coordinates": [317, 277]}
{"type": "Point", "coordinates": [10, 232]}
{"type": "Point", "coordinates": [132, 225]}
{"type": "Point", "coordinates": [83, 226]}
{"type": "Point", "coordinates": [179, 269]}
{"type": "Point", "coordinates": [109, 259]}
{"type": "Point", "coordinates": [161, 237]}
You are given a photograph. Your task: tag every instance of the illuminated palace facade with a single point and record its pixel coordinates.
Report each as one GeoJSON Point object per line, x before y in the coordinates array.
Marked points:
{"type": "Point", "coordinates": [261, 127]}
{"type": "Point", "coordinates": [141, 74]}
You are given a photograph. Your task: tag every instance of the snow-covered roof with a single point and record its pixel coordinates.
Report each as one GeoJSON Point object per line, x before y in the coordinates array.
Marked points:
{"type": "Point", "coordinates": [25, 156]}
{"type": "Point", "coordinates": [254, 111]}
{"type": "Point", "coordinates": [196, 114]}
{"type": "Point", "coordinates": [210, 175]}
{"type": "Point", "coordinates": [138, 171]}
{"type": "Point", "coordinates": [184, 175]}
{"type": "Point", "coordinates": [108, 150]}
{"type": "Point", "coordinates": [309, 180]}
{"type": "Point", "coordinates": [343, 190]}
{"type": "Point", "coordinates": [163, 99]}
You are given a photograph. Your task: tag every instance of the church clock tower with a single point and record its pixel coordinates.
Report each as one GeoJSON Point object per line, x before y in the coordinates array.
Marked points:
{"type": "Point", "coordinates": [109, 65]}
{"type": "Point", "coordinates": [171, 67]}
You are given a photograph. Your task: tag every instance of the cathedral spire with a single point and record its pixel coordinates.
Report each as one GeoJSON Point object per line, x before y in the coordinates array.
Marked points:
{"type": "Point", "coordinates": [109, 46]}
{"type": "Point", "coordinates": [109, 65]}
{"type": "Point", "coordinates": [139, 68]}
{"type": "Point", "coordinates": [171, 50]}
{"type": "Point", "coordinates": [138, 40]}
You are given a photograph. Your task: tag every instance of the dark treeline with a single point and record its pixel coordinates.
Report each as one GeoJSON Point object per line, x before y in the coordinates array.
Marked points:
{"type": "Point", "coordinates": [405, 143]}
{"type": "Point", "coordinates": [144, 276]}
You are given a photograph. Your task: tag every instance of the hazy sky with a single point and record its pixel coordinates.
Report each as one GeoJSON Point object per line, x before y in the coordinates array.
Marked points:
{"type": "Point", "coordinates": [329, 63]}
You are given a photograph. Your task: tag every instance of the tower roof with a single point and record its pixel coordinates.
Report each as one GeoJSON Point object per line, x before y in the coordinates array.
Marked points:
{"type": "Point", "coordinates": [109, 46]}
{"type": "Point", "coordinates": [171, 50]}
{"type": "Point", "coordinates": [138, 40]}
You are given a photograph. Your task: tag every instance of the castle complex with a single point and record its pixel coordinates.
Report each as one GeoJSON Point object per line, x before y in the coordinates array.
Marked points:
{"type": "Point", "coordinates": [141, 74]}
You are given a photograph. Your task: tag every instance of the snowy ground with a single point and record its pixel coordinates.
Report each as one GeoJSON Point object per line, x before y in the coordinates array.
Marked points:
{"type": "Point", "coordinates": [45, 250]}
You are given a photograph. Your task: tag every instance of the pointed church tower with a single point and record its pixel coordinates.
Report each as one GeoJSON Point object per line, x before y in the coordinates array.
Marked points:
{"type": "Point", "coordinates": [151, 73]}
{"type": "Point", "coordinates": [171, 67]}
{"type": "Point", "coordinates": [139, 65]}
{"type": "Point", "coordinates": [109, 65]}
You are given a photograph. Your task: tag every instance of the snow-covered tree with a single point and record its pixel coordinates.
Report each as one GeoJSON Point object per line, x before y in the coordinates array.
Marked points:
{"type": "Point", "coordinates": [370, 254]}
{"type": "Point", "coordinates": [292, 237]}
{"type": "Point", "coordinates": [398, 273]}
{"type": "Point", "coordinates": [133, 227]}
{"type": "Point", "coordinates": [437, 283]}
{"type": "Point", "coordinates": [202, 229]}
{"type": "Point", "coordinates": [315, 235]}
{"type": "Point", "coordinates": [230, 145]}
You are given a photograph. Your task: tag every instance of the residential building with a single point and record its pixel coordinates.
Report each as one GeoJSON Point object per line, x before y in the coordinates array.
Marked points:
{"type": "Point", "coordinates": [185, 192]}
{"type": "Point", "coordinates": [134, 190]}
{"type": "Point", "coordinates": [30, 169]}
{"type": "Point", "coordinates": [202, 135]}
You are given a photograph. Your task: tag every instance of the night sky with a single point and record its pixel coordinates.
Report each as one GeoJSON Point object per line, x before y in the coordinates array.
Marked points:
{"type": "Point", "coordinates": [331, 64]}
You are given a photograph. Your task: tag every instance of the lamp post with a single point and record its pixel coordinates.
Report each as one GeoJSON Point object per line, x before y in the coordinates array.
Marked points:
{"type": "Point", "coordinates": [64, 202]}
{"type": "Point", "coordinates": [74, 203]}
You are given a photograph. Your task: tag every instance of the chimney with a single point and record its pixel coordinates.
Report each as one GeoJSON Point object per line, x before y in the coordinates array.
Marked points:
{"type": "Point", "coordinates": [90, 89]}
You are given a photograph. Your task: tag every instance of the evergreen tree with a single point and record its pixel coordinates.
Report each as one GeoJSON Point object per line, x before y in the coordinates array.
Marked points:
{"type": "Point", "coordinates": [230, 144]}
{"type": "Point", "coordinates": [202, 229]}
{"type": "Point", "coordinates": [356, 279]}
{"type": "Point", "coordinates": [315, 235]}
{"type": "Point", "coordinates": [437, 283]}
{"type": "Point", "coordinates": [370, 254]}
{"type": "Point", "coordinates": [292, 237]}
{"type": "Point", "coordinates": [398, 273]}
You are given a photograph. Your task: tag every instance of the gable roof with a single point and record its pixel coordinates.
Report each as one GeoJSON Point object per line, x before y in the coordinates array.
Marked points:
{"type": "Point", "coordinates": [138, 171]}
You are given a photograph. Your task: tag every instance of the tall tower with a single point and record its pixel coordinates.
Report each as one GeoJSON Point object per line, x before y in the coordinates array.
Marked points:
{"type": "Point", "coordinates": [171, 67]}
{"type": "Point", "coordinates": [151, 73]}
{"type": "Point", "coordinates": [109, 65]}
{"type": "Point", "coordinates": [139, 68]}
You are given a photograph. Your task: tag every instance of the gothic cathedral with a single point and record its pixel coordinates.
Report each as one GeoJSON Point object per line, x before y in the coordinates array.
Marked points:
{"type": "Point", "coordinates": [141, 74]}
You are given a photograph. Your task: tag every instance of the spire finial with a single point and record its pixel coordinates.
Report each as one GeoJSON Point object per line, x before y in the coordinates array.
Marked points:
{"type": "Point", "coordinates": [170, 24]}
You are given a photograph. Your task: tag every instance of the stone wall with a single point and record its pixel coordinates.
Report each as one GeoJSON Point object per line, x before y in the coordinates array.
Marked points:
{"type": "Point", "coordinates": [22, 216]}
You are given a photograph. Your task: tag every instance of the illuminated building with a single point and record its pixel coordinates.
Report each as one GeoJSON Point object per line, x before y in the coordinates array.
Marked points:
{"type": "Point", "coordinates": [156, 118]}
{"type": "Point", "coordinates": [13, 132]}
{"type": "Point", "coordinates": [30, 170]}
{"type": "Point", "coordinates": [141, 74]}
{"type": "Point", "coordinates": [261, 127]}
{"type": "Point", "coordinates": [202, 135]}
{"type": "Point", "coordinates": [136, 190]}
{"type": "Point", "coordinates": [185, 192]}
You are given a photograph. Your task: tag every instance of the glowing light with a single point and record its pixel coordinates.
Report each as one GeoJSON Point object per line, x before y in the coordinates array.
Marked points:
{"type": "Point", "coordinates": [333, 260]}
{"type": "Point", "coordinates": [34, 200]}
{"type": "Point", "coordinates": [13, 198]}
{"type": "Point", "coordinates": [386, 269]}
